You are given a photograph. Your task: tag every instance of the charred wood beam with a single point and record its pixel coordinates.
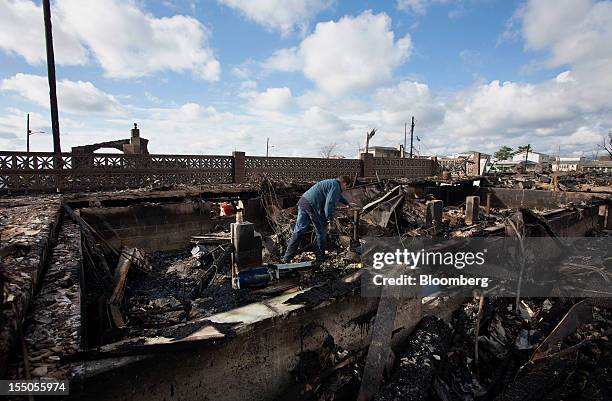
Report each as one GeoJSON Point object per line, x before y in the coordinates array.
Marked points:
{"type": "Point", "coordinates": [415, 375]}
{"type": "Point", "coordinates": [98, 258]}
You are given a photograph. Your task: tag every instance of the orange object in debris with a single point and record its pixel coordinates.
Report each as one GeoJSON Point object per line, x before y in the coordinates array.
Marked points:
{"type": "Point", "coordinates": [228, 209]}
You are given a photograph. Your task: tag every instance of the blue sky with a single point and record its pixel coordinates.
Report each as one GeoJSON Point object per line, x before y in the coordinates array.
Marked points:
{"type": "Point", "coordinates": [212, 76]}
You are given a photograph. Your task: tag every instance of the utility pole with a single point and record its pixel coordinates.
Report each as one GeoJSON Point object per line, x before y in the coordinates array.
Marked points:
{"type": "Point", "coordinates": [405, 132]}
{"type": "Point", "coordinates": [411, 135]}
{"type": "Point", "coordinates": [368, 137]}
{"type": "Point", "coordinates": [51, 75]}
{"type": "Point", "coordinates": [267, 146]}
{"type": "Point", "coordinates": [28, 133]}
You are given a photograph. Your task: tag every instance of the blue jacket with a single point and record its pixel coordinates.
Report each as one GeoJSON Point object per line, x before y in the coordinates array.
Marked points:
{"type": "Point", "coordinates": [323, 197]}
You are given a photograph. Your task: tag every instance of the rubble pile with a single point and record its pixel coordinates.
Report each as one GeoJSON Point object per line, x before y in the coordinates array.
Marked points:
{"type": "Point", "coordinates": [491, 348]}
{"type": "Point", "coordinates": [440, 360]}
{"type": "Point", "coordinates": [181, 286]}
{"type": "Point", "coordinates": [53, 328]}
{"type": "Point", "coordinates": [597, 182]}
{"type": "Point", "coordinates": [506, 365]}
{"type": "Point", "coordinates": [585, 181]}
{"type": "Point", "coordinates": [26, 230]}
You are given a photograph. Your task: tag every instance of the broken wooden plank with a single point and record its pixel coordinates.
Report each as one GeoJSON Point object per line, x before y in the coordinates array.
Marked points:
{"type": "Point", "coordinates": [121, 272]}
{"type": "Point", "coordinates": [392, 193]}
{"type": "Point", "coordinates": [581, 313]}
{"type": "Point", "coordinates": [380, 344]}
{"type": "Point", "coordinates": [415, 374]}
{"type": "Point", "coordinates": [211, 239]}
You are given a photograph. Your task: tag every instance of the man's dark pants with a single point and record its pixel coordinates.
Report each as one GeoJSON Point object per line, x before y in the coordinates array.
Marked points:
{"type": "Point", "coordinates": [307, 215]}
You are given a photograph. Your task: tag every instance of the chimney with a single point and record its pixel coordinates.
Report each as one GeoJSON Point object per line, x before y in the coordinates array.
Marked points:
{"type": "Point", "coordinates": [135, 132]}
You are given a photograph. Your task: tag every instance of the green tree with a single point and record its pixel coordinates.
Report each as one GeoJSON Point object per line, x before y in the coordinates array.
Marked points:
{"type": "Point", "coordinates": [504, 153]}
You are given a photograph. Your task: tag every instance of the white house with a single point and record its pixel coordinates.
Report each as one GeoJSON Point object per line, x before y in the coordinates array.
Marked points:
{"type": "Point", "coordinates": [567, 163]}
{"type": "Point", "coordinates": [535, 157]}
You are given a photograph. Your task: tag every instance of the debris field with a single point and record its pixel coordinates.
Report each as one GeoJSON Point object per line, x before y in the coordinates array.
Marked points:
{"type": "Point", "coordinates": [155, 272]}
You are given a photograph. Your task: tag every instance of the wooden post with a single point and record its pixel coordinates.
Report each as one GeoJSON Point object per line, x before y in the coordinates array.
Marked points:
{"type": "Point", "coordinates": [356, 216]}
{"type": "Point", "coordinates": [51, 75]}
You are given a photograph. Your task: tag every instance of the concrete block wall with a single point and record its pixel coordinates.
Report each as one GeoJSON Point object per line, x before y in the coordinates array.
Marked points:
{"type": "Point", "coordinates": [36, 172]}
{"type": "Point", "coordinates": [150, 227]}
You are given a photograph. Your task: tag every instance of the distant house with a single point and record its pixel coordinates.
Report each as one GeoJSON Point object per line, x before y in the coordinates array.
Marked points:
{"type": "Point", "coordinates": [567, 163]}
{"type": "Point", "coordinates": [384, 151]}
{"type": "Point", "coordinates": [502, 166]}
{"type": "Point", "coordinates": [470, 153]}
{"type": "Point", "coordinates": [532, 156]}
{"type": "Point", "coordinates": [597, 166]}
{"type": "Point", "coordinates": [474, 157]}
{"type": "Point", "coordinates": [510, 166]}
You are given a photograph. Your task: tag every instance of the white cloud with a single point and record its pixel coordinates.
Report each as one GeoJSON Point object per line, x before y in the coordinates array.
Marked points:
{"type": "Point", "coordinates": [318, 119]}
{"type": "Point", "coordinates": [22, 32]}
{"type": "Point", "coordinates": [575, 31]}
{"type": "Point", "coordinates": [407, 99]}
{"type": "Point", "coordinates": [242, 71]}
{"type": "Point", "coordinates": [547, 114]}
{"type": "Point", "coordinates": [279, 15]}
{"type": "Point", "coordinates": [273, 99]}
{"type": "Point", "coordinates": [284, 60]}
{"type": "Point", "coordinates": [351, 61]}
{"type": "Point", "coordinates": [12, 132]}
{"type": "Point", "coordinates": [417, 6]}
{"type": "Point", "coordinates": [126, 41]}
{"type": "Point", "coordinates": [139, 43]}
{"type": "Point", "coordinates": [73, 96]}
{"type": "Point", "coordinates": [249, 84]}
{"type": "Point", "coordinates": [581, 136]}
{"type": "Point", "coordinates": [353, 53]}
{"type": "Point", "coordinates": [571, 109]}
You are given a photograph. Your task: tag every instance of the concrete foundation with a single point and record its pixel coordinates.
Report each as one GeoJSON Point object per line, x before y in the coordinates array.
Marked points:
{"type": "Point", "coordinates": [157, 227]}
{"type": "Point", "coordinates": [269, 339]}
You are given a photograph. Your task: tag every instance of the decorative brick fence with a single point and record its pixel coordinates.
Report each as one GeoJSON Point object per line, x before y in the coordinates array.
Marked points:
{"type": "Point", "coordinates": [36, 172]}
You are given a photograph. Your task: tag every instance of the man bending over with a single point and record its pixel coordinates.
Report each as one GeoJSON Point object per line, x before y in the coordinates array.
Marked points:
{"type": "Point", "coordinates": [317, 206]}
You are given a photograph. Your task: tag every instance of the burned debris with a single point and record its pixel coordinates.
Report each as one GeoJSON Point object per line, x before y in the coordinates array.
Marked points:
{"type": "Point", "coordinates": [123, 282]}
